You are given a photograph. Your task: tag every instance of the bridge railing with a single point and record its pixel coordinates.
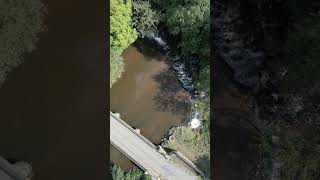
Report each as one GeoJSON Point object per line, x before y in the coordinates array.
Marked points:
{"type": "Point", "coordinates": [141, 165]}
{"type": "Point", "coordinates": [190, 163]}
{"type": "Point", "coordinates": [132, 130]}
{"type": "Point", "coordinates": [178, 154]}
{"type": "Point", "coordinates": [144, 167]}
{"type": "Point", "coordinates": [11, 170]}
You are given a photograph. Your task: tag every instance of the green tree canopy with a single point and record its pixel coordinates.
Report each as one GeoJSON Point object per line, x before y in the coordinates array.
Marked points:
{"type": "Point", "coordinates": [122, 34]}
{"type": "Point", "coordinates": [135, 174]}
{"type": "Point", "coordinates": [191, 20]}
{"type": "Point", "coordinates": [145, 18]}
{"type": "Point", "coordinates": [20, 23]}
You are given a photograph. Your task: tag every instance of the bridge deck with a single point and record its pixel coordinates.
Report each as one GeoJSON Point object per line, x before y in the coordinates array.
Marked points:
{"type": "Point", "coordinates": [143, 153]}
{"type": "Point", "coordinates": [9, 171]}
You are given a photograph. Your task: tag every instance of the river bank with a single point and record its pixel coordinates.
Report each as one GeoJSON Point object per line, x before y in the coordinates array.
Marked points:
{"type": "Point", "coordinates": [150, 19]}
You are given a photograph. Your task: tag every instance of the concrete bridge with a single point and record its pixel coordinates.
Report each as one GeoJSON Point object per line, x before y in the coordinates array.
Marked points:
{"type": "Point", "coordinates": [17, 171]}
{"type": "Point", "coordinates": [146, 155]}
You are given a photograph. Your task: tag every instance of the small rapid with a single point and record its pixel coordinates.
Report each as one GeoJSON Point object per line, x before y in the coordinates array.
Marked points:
{"type": "Point", "coordinates": [185, 66]}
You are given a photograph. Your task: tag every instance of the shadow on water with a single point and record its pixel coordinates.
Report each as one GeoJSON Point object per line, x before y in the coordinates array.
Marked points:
{"type": "Point", "coordinates": [148, 96]}
{"type": "Point", "coordinates": [148, 50]}
{"type": "Point", "coordinates": [170, 96]}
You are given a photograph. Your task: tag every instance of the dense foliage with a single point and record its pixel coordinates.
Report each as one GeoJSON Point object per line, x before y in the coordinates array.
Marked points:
{"type": "Point", "coordinates": [122, 34]}
{"type": "Point", "coordinates": [145, 19]}
{"type": "Point", "coordinates": [190, 19]}
{"type": "Point", "coordinates": [135, 174]}
{"type": "Point", "coordinates": [189, 22]}
{"type": "Point", "coordinates": [20, 23]}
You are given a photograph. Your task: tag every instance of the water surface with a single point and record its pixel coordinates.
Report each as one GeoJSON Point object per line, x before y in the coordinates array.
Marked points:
{"type": "Point", "coordinates": [149, 96]}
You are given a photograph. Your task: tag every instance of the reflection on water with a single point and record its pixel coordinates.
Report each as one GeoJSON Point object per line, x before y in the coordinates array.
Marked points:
{"type": "Point", "coordinates": [120, 159]}
{"type": "Point", "coordinates": [149, 96]}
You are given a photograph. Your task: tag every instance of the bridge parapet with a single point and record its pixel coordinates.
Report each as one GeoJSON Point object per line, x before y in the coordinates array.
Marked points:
{"type": "Point", "coordinates": [10, 171]}
{"type": "Point", "coordinates": [133, 130]}
{"type": "Point", "coordinates": [146, 155]}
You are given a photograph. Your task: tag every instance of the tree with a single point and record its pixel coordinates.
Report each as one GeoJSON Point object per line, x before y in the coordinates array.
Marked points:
{"type": "Point", "coordinates": [122, 34]}
{"type": "Point", "coordinates": [145, 19]}
{"type": "Point", "coordinates": [191, 20]}
{"type": "Point", "coordinates": [135, 174]}
{"type": "Point", "coordinates": [116, 66]}
{"type": "Point", "coordinates": [20, 23]}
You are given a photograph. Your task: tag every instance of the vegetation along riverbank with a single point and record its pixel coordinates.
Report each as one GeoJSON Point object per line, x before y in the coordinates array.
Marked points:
{"type": "Point", "coordinates": [118, 174]}
{"type": "Point", "coordinates": [186, 26]}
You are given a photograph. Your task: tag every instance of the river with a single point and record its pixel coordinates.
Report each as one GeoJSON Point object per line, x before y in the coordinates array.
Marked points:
{"type": "Point", "coordinates": [51, 103]}
{"type": "Point", "coordinates": [148, 96]}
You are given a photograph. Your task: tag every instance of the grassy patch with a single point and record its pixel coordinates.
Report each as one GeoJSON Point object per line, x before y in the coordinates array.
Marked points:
{"type": "Point", "coordinates": [194, 144]}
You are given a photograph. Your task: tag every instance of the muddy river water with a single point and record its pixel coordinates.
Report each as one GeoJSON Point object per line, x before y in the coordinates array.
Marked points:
{"type": "Point", "coordinates": [148, 96]}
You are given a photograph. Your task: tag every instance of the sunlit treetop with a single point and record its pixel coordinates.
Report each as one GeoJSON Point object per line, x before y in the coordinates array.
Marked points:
{"type": "Point", "coordinates": [122, 33]}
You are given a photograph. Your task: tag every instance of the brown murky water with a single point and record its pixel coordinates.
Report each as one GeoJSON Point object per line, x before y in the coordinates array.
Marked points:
{"type": "Point", "coordinates": [50, 104]}
{"type": "Point", "coordinates": [148, 96]}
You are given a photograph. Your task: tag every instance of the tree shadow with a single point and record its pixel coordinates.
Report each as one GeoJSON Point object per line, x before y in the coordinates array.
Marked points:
{"type": "Point", "coordinates": [149, 50]}
{"type": "Point", "coordinates": [171, 96]}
